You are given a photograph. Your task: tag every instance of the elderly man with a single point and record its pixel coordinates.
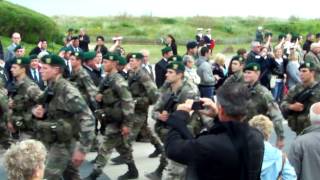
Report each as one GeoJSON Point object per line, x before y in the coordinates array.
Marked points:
{"type": "Point", "coordinates": [312, 56]}
{"type": "Point", "coordinates": [254, 54]}
{"type": "Point", "coordinates": [305, 151]}
{"type": "Point", "coordinates": [16, 39]}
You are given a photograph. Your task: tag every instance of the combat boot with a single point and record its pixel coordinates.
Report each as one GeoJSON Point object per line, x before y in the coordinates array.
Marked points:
{"type": "Point", "coordinates": [132, 173]}
{"type": "Point", "coordinates": [157, 174]}
{"type": "Point", "coordinates": [96, 172]}
{"type": "Point", "coordinates": [118, 160]}
{"type": "Point", "coordinates": [157, 151]}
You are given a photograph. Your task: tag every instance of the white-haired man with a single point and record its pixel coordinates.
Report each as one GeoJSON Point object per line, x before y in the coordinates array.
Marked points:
{"type": "Point", "coordinates": [312, 56]}
{"type": "Point", "coordinates": [304, 153]}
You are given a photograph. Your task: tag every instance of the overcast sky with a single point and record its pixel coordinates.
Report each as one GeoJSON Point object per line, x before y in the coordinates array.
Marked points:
{"type": "Point", "coordinates": [172, 8]}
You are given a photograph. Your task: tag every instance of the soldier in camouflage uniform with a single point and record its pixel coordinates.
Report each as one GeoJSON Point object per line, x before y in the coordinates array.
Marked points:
{"type": "Point", "coordinates": [117, 108]}
{"type": "Point", "coordinates": [24, 94]}
{"type": "Point", "coordinates": [236, 68]}
{"type": "Point", "coordinates": [175, 90]}
{"type": "Point", "coordinates": [4, 134]}
{"type": "Point", "coordinates": [298, 101]}
{"type": "Point", "coordinates": [67, 121]}
{"type": "Point", "coordinates": [261, 101]}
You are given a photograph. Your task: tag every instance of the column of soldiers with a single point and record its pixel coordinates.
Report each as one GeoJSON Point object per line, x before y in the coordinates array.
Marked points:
{"type": "Point", "coordinates": [78, 99]}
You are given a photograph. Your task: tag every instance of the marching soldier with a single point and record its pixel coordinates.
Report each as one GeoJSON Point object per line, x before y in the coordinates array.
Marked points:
{"type": "Point", "coordinates": [300, 98]}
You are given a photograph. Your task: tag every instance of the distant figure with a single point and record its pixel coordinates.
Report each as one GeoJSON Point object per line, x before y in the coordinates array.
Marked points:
{"type": "Point", "coordinates": [304, 153]}
{"type": "Point", "coordinates": [307, 44]}
{"type": "Point", "coordinates": [16, 39]}
{"type": "Point", "coordinates": [25, 160]}
{"type": "Point", "coordinates": [42, 46]}
{"type": "Point", "coordinates": [208, 40]}
{"type": "Point", "coordinates": [100, 47]}
{"type": "Point", "coordinates": [259, 34]}
{"type": "Point", "coordinates": [161, 66]}
{"type": "Point", "coordinates": [84, 40]}
{"type": "Point", "coordinates": [171, 42]}
{"type": "Point", "coordinates": [199, 35]}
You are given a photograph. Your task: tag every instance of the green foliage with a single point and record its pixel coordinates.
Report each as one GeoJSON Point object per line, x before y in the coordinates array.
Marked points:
{"type": "Point", "coordinates": [30, 24]}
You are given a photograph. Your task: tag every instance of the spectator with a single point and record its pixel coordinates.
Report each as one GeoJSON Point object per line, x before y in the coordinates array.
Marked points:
{"type": "Point", "coordinates": [16, 39]}
{"type": "Point", "coordinates": [190, 72]}
{"type": "Point", "coordinates": [84, 40]}
{"type": "Point", "coordinates": [304, 153]}
{"type": "Point", "coordinates": [25, 160]}
{"type": "Point", "coordinates": [199, 35]}
{"type": "Point", "coordinates": [219, 70]}
{"type": "Point", "coordinates": [100, 47]}
{"type": "Point", "coordinates": [192, 49]}
{"type": "Point", "coordinates": [292, 69]}
{"type": "Point", "coordinates": [42, 46]}
{"type": "Point", "coordinates": [75, 42]}
{"type": "Point", "coordinates": [231, 149]}
{"type": "Point", "coordinates": [275, 163]}
{"type": "Point", "coordinates": [268, 43]}
{"type": "Point", "coordinates": [204, 70]}
{"type": "Point", "coordinates": [161, 66]}
{"type": "Point", "coordinates": [146, 64]}
{"type": "Point", "coordinates": [254, 54]}
{"type": "Point", "coordinates": [171, 42]}
{"type": "Point", "coordinates": [307, 44]}
{"type": "Point", "coordinates": [317, 38]}
{"type": "Point", "coordinates": [259, 34]}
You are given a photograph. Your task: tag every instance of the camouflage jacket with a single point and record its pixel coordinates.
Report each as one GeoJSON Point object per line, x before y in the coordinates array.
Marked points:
{"type": "Point", "coordinates": [24, 99]}
{"type": "Point", "coordinates": [235, 78]}
{"type": "Point", "coordinates": [261, 102]}
{"type": "Point", "coordinates": [186, 91]}
{"type": "Point", "coordinates": [3, 106]}
{"type": "Point", "coordinates": [68, 105]}
{"type": "Point", "coordinates": [85, 85]}
{"type": "Point", "coordinates": [143, 90]}
{"type": "Point", "coordinates": [312, 57]}
{"type": "Point", "coordinates": [117, 102]}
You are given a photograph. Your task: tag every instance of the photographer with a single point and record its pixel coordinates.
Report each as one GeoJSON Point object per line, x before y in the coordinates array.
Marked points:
{"type": "Point", "coordinates": [229, 150]}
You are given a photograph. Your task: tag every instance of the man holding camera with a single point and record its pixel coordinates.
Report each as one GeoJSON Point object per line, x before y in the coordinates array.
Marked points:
{"type": "Point", "coordinates": [229, 150]}
{"type": "Point", "coordinates": [175, 90]}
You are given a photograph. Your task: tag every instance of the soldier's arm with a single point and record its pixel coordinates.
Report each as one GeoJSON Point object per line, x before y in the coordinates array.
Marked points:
{"type": "Point", "coordinates": [158, 106]}
{"type": "Point", "coordinates": [287, 100]}
{"type": "Point", "coordinates": [35, 93]}
{"type": "Point", "coordinates": [150, 88]}
{"type": "Point", "coordinates": [76, 105]}
{"type": "Point", "coordinates": [127, 104]}
{"type": "Point", "coordinates": [4, 107]}
{"type": "Point", "coordinates": [275, 115]}
{"type": "Point", "coordinates": [91, 89]}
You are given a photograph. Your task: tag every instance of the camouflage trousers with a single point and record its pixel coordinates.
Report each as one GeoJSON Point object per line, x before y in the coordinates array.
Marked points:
{"type": "Point", "coordinates": [146, 132]}
{"type": "Point", "coordinates": [111, 140]}
{"type": "Point", "coordinates": [59, 164]}
{"type": "Point", "coordinates": [4, 136]}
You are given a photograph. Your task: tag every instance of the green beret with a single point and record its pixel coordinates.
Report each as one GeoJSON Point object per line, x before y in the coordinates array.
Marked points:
{"type": "Point", "coordinates": [87, 56]}
{"type": "Point", "coordinates": [166, 49]}
{"type": "Point", "coordinates": [33, 56]}
{"type": "Point", "coordinates": [176, 65]}
{"type": "Point", "coordinates": [112, 57]}
{"type": "Point", "coordinates": [17, 47]}
{"type": "Point", "coordinates": [252, 67]}
{"type": "Point", "coordinates": [238, 58]}
{"type": "Point", "coordinates": [175, 58]}
{"type": "Point", "coordinates": [308, 64]}
{"type": "Point", "coordinates": [136, 56]}
{"type": "Point", "coordinates": [78, 55]}
{"type": "Point", "coordinates": [122, 61]}
{"type": "Point", "coordinates": [53, 59]}
{"type": "Point", "coordinates": [21, 61]}
{"type": "Point", "coordinates": [66, 49]}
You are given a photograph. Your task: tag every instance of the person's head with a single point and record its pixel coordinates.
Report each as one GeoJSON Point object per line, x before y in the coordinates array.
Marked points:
{"type": "Point", "coordinates": [43, 43]}
{"type": "Point", "coordinates": [70, 31]}
{"type": "Point", "coordinates": [19, 51]}
{"type": "Point", "coordinates": [110, 62]}
{"type": "Point", "coordinates": [123, 62]}
{"type": "Point", "coordinates": [307, 72]}
{"type": "Point", "coordinates": [288, 37]}
{"type": "Point", "coordinates": [310, 37]}
{"type": "Point", "coordinates": [146, 55]}
{"type": "Point", "coordinates": [170, 39]}
{"type": "Point", "coordinates": [232, 101]}
{"type": "Point", "coordinates": [52, 67]}
{"type": "Point", "coordinates": [100, 40]}
{"type": "Point", "coordinates": [82, 32]}
{"type": "Point", "coordinates": [263, 124]}
{"type": "Point", "coordinates": [175, 72]}
{"type": "Point", "coordinates": [256, 46]}
{"type": "Point", "coordinates": [167, 52]}
{"type": "Point", "coordinates": [75, 41]}
{"type": "Point", "coordinates": [208, 31]}
{"type": "Point", "coordinates": [251, 73]}
{"type": "Point", "coordinates": [25, 160]}
{"type": "Point", "coordinates": [135, 60]}
{"type": "Point", "coordinates": [192, 48]}
{"type": "Point", "coordinates": [34, 61]}
{"type": "Point", "coordinates": [16, 38]}
{"type": "Point", "coordinates": [98, 57]}
{"type": "Point", "coordinates": [317, 37]}
{"type": "Point", "coordinates": [278, 52]}
{"type": "Point", "coordinates": [281, 37]}
{"type": "Point", "coordinates": [220, 59]}
{"type": "Point", "coordinates": [19, 66]}
{"type": "Point", "coordinates": [242, 52]}
{"type": "Point", "coordinates": [263, 51]}
{"type": "Point", "coordinates": [188, 61]}
{"type": "Point", "coordinates": [89, 59]}
{"type": "Point", "coordinates": [315, 47]}
{"type": "Point", "coordinates": [236, 64]}
{"type": "Point", "coordinates": [204, 51]}
{"type": "Point", "coordinates": [314, 113]}
{"type": "Point", "coordinates": [268, 36]}
{"type": "Point", "coordinates": [75, 60]}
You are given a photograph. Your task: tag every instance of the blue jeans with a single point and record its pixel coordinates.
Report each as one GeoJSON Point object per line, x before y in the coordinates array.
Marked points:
{"type": "Point", "coordinates": [206, 91]}
{"type": "Point", "coordinates": [277, 91]}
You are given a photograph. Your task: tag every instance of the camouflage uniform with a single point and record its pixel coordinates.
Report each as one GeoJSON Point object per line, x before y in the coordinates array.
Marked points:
{"type": "Point", "coordinates": [235, 78]}
{"type": "Point", "coordinates": [4, 134]}
{"type": "Point", "coordinates": [117, 110]}
{"type": "Point", "coordinates": [261, 102]}
{"type": "Point", "coordinates": [298, 121]}
{"type": "Point", "coordinates": [186, 91]}
{"type": "Point", "coordinates": [68, 119]}
{"type": "Point", "coordinates": [24, 99]}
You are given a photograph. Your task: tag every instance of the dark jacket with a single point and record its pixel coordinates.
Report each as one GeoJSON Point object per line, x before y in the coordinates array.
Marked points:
{"type": "Point", "coordinates": [216, 70]}
{"type": "Point", "coordinates": [84, 44]}
{"type": "Point", "coordinates": [95, 75]}
{"type": "Point", "coordinates": [39, 82]}
{"type": "Point", "coordinates": [230, 150]}
{"type": "Point", "coordinates": [103, 49]}
{"type": "Point", "coordinates": [161, 70]}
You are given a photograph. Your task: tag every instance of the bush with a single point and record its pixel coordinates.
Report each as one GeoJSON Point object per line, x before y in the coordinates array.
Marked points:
{"type": "Point", "coordinates": [30, 24]}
